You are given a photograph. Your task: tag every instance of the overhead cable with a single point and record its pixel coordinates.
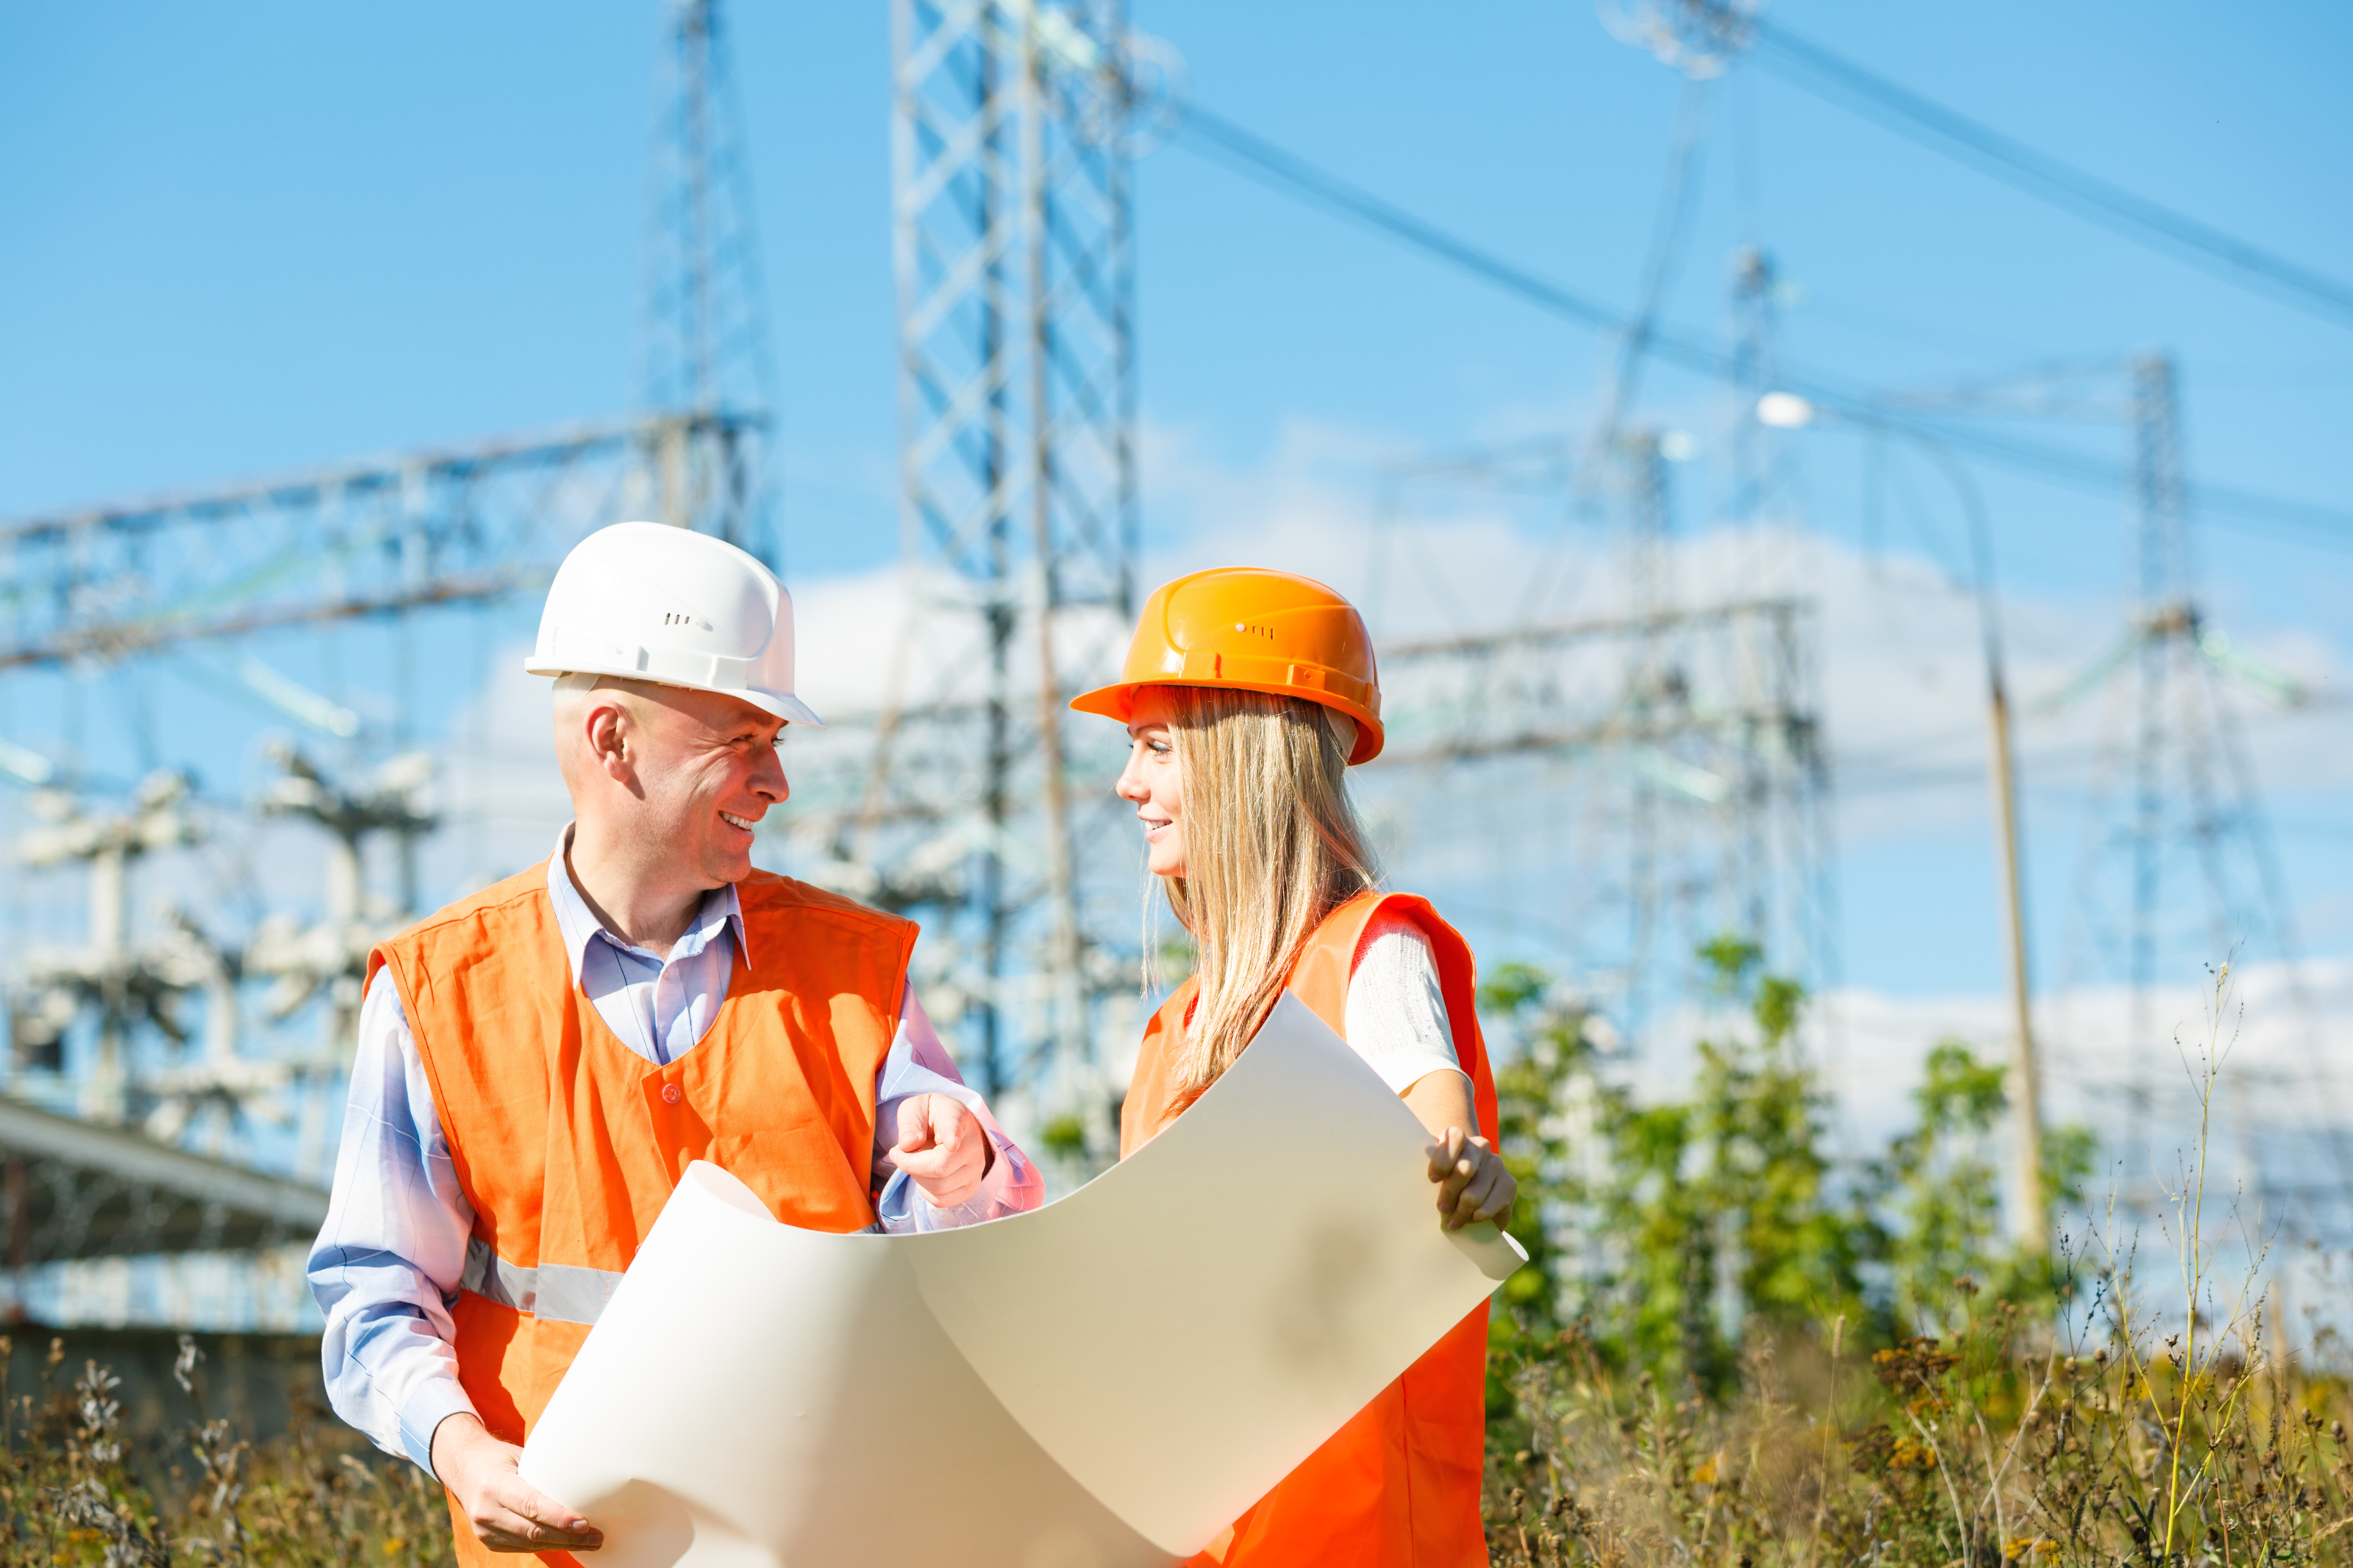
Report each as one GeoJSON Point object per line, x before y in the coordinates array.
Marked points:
{"type": "Point", "coordinates": [1221, 140]}
{"type": "Point", "coordinates": [1810, 65]}
{"type": "Point", "coordinates": [1262, 161]}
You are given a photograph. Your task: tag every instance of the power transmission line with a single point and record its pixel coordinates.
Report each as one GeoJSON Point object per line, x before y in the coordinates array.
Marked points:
{"type": "Point", "coordinates": [1244, 152]}
{"type": "Point", "coordinates": [1251, 155]}
{"type": "Point", "coordinates": [1808, 64]}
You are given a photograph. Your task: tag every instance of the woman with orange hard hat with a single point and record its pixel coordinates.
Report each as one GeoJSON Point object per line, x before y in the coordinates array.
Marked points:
{"type": "Point", "coordinates": [1246, 694]}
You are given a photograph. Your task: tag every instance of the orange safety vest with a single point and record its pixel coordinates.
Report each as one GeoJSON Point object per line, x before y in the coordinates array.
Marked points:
{"type": "Point", "coordinates": [568, 1142]}
{"type": "Point", "coordinates": [1398, 1487]}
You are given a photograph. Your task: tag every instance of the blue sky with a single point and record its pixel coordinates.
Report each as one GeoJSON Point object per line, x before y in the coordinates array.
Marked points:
{"type": "Point", "coordinates": [248, 237]}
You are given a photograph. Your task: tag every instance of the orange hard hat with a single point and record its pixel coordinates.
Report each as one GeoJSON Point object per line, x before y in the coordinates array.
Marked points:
{"type": "Point", "coordinates": [1251, 630]}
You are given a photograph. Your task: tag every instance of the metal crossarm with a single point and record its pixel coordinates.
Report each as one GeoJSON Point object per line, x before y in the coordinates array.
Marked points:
{"type": "Point", "coordinates": [365, 538]}
{"type": "Point", "coordinates": [69, 1189]}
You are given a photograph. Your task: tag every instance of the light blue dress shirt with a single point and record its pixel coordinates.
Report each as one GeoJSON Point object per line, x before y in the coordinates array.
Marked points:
{"type": "Point", "coordinates": [386, 1264]}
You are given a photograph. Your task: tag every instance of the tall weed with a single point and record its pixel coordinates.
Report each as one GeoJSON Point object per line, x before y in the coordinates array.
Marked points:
{"type": "Point", "coordinates": [75, 1488]}
{"type": "Point", "coordinates": [2052, 1418]}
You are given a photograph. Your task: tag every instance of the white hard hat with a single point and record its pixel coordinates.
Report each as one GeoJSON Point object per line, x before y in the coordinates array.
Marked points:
{"type": "Point", "coordinates": [670, 605]}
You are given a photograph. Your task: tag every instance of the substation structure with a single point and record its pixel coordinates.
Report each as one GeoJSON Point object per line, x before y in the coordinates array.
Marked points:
{"type": "Point", "coordinates": [2175, 869]}
{"type": "Point", "coordinates": [129, 1123]}
{"type": "Point", "coordinates": [1672, 753]}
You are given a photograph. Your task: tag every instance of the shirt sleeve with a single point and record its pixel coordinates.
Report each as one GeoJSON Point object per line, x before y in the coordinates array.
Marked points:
{"type": "Point", "coordinates": [919, 1064]}
{"type": "Point", "coordinates": [1397, 1009]}
{"type": "Point", "coordinates": [384, 1269]}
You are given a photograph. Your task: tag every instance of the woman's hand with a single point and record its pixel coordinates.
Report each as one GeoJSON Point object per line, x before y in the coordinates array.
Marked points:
{"type": "Point", "coordinates": [1473, 1182]}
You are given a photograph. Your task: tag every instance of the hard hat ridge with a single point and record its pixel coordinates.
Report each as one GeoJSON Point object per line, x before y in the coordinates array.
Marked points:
{"type": "Point", "coordinates": [648, 602]}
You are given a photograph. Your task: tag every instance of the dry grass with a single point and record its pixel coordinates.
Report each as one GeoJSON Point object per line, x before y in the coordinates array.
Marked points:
{"type": "Point", "coordinates": [2076, 1425]}
{"type": "Point", "coordinates": [1995, 1446]}
{"type": "Point", "coordinates": [75, 1490]}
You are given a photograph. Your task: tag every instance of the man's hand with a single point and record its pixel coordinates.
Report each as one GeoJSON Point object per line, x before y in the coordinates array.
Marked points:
{"type": "Point", "coordinates": [1473, 1182]}
{"type": "Point", "coordinates": [507, 1513]}
{"type": "Point", "coordinates": [942, 1148]}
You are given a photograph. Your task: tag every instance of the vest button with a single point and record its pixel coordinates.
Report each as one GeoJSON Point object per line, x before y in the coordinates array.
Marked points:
{"type": "Point", "coordinates": [672, 1094]}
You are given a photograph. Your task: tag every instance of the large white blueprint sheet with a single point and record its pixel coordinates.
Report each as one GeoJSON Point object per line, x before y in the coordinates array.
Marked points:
{"type": "Point", "coordinates": [1108, 1381]}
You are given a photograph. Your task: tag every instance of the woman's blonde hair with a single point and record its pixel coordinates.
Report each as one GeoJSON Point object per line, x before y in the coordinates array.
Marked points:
{"type": "Point", "coordinates": [1272, 847]}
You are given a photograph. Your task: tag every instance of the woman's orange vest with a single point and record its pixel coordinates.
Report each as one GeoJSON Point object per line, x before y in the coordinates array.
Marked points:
{"type": "Point", "coordinates": [568, 1142]}
{"type": "Point", "coordinates": [1398, 1487]}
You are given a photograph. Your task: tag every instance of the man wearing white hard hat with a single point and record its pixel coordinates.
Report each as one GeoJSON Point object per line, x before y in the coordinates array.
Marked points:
{"type": "Point", "coordinates": [539, 1063]}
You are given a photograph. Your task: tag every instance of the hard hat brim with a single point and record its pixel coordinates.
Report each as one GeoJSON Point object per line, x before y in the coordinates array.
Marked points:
{"type": "Point", "coordinates": [776, 704]}
{"type": "Point", "coordinates": [1117, 700]}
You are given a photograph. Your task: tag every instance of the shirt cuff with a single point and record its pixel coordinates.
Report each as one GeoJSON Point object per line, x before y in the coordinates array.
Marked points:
{"type": "Point", "coordinates": [902, 1206]}
{"type": "Point", "coordinates": [436, 1399]}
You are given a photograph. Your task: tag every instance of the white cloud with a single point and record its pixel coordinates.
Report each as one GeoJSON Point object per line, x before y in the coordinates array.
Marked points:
{"type": "Point", "coordinates": [1900, 651]}
{"type": "Point", "coordinates": [1902, 691]}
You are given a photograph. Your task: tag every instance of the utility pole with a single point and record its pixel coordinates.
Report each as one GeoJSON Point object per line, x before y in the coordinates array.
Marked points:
{"type": "Point", "coordinates": [2030, 1216]}
{"type": "Point", "coordinates": [2030, 1213]}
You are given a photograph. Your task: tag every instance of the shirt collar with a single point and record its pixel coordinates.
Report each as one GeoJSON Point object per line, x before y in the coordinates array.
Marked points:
{"type": "Point", "coordinates": [721, 910]}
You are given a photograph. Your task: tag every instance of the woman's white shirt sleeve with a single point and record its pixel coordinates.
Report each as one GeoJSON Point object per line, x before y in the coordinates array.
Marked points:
{"type": "Point", "coordinates": [1396, 1010]}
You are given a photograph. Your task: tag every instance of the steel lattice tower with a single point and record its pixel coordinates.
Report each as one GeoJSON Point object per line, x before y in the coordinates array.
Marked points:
{"type": "Point", "coordinates": [2189, 815]}
{"type": "Point", "coordinates": [1682, 739]}
{"type": "Point", "coordinates": [1015, 261]}
{"type": "Point", "coordinates": [398, 541]}
{"type": "Point", "coordinates": [706, 352]}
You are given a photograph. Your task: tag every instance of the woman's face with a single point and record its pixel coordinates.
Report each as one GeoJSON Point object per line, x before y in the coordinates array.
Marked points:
{"type": "Point", "coordinates": [1155, 783]}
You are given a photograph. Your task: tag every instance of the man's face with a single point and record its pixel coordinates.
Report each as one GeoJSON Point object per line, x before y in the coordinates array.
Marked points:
{"type": "Point", "coordinates": [710, 771]}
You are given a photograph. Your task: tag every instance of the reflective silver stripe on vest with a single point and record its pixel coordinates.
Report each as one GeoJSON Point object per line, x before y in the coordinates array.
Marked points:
{"type": "Point", "coordinates": [563, 1292]}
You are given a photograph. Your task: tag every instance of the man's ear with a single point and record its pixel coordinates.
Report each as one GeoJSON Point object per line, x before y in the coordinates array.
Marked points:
{"type": "Point", "coordinates": [609, 739]}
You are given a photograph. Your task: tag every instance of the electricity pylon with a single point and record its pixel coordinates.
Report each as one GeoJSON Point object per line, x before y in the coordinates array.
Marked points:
{"type": "Point", "coordinates": [705, 344]}
{"type": "Point", "coordinates": [1681, 747]}
{"type": "Point", "coordinates": [2175, 807]}
{"type": "Point", "coordinates": [1696, 775]}
{"type": "Point", "coordinates": [1010, 132]}
{"type": "Point", "coordinates": [382, 539]}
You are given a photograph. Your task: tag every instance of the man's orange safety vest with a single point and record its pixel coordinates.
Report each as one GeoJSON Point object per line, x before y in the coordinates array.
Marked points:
{"type": "Point", "coordinates": [1398, 1487]}
{"type": "Point", "coordinates": [568, 1142]}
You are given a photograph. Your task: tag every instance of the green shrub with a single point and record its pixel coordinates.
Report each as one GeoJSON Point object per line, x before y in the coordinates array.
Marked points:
{"type": "Point", "coordinates": [1857, 1368]}
{"type": "Point", "coordinates": [1670, 1234]}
